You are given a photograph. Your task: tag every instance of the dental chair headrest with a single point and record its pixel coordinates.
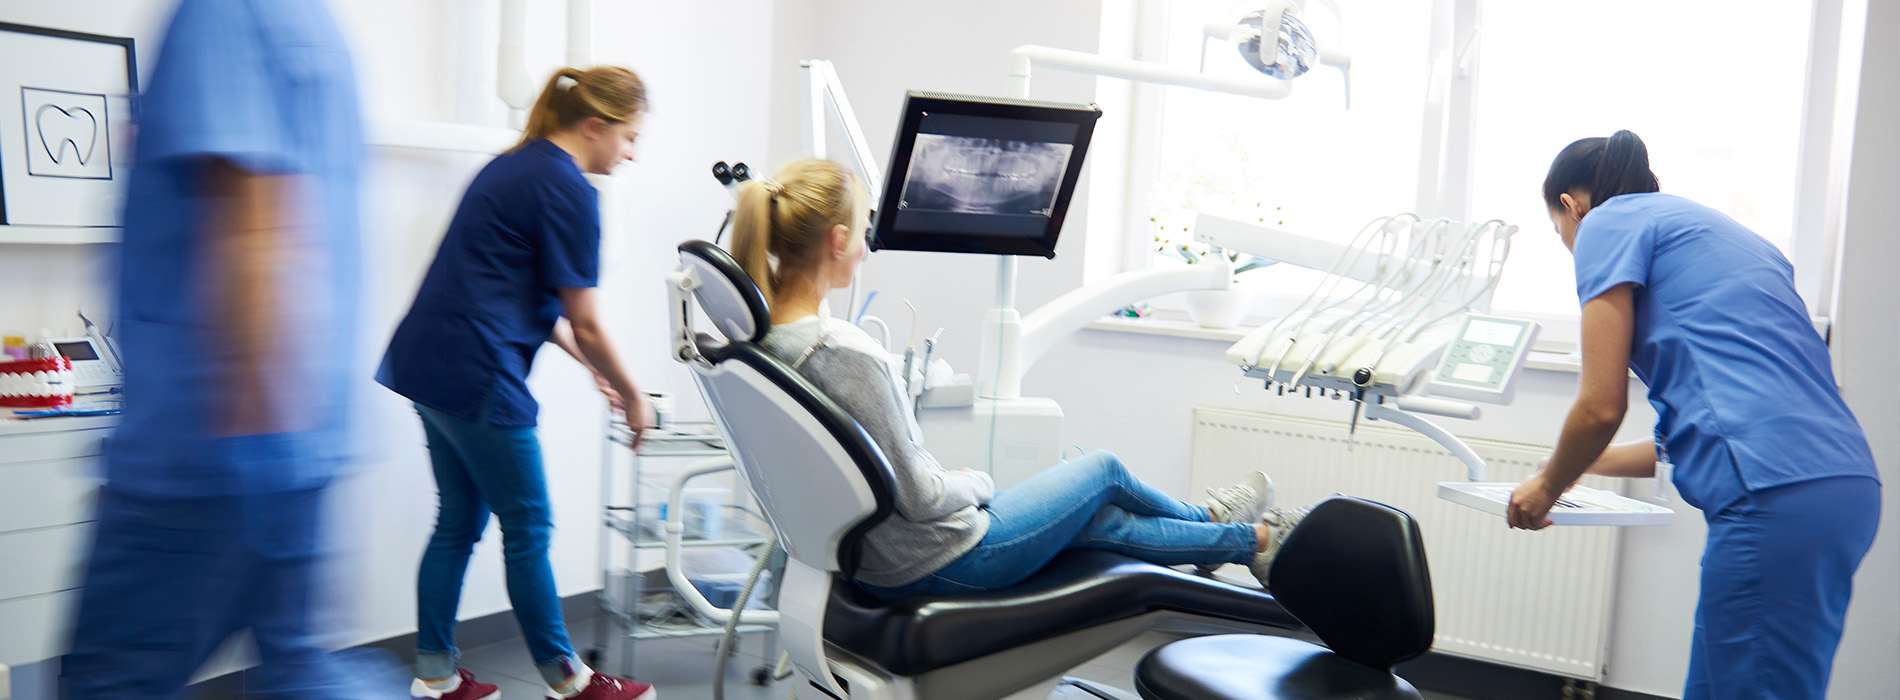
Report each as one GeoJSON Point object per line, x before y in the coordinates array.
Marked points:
{"type": "Point", "coordinates": [726, 293]}
{"type": "Point", "coordinates": [1354, 573]}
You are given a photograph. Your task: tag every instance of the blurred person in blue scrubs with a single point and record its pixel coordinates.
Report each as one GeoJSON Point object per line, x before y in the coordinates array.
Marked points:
{"type": "Point", "coordinates": [237, 294]}
{"type": "Point", "coordinates": [1747, 411]}
{"type": "Point", "coordinates": [516, 270]}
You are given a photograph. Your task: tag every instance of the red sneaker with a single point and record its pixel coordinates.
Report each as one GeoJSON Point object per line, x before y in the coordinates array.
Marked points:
{"type": "Point", "coordinates": [604, 687]}
{"type": "Point", "coordinates": [470, 689]}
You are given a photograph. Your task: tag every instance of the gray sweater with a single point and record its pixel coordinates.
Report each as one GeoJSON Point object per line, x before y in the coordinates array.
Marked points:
{"type": "Point", "coordinates": [939, 512]}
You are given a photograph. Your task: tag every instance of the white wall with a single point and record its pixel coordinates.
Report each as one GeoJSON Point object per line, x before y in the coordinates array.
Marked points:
{"type": "Point", "coordinates": [1134, 394]}
{"type": "Point", "coordinates": [1865, 335]}
{"type": "Point", "coordinates": [705, 66]}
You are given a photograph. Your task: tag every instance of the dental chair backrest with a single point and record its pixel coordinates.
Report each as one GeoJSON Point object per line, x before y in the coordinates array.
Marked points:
{"type": "Point", "coordinates": [819, 477]}
{"type": "Point", "coordinates": [1354, 573]}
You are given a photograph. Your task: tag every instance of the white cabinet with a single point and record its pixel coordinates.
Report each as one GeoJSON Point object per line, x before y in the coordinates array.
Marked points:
{"type": "Point", "coordinates": [49, 476]}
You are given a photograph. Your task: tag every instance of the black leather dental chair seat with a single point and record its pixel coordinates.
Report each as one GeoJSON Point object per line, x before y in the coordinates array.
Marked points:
{"type": "Point", "coordinates": [1259, 667]}
{"type": "Point", "coordinates": [1077, 590]}
{"type": "Point", "coordinates": [1354, 573]}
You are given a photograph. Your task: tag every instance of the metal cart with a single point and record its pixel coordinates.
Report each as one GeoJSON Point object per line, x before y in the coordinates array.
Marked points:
{"type": "Point", "coordinates": [639, 525]}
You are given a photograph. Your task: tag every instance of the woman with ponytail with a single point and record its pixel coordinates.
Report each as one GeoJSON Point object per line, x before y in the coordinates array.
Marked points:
{"type": "Point", "coordinates": [1705, 312]}
{"type": "Point", "coordinates": [517, 269]}
{"type": "Point", "coordinates": [799, 236]}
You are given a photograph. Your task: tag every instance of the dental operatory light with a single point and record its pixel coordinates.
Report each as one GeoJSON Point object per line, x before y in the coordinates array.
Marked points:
{"type": "Point", "coordinates": [1291, 55]}
{"type": "Point", "coordinates": [1277, 41]}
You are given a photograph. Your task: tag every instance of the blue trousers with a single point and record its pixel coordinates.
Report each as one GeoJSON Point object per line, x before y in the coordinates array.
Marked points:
{"type": "Point", "coordinates": [480, 469]}
{"type": "Point", "coordinates": [169, 579]}
{"type": "Point", "coordinates": [1777, 573]}
{"type": "Point", "coordinates": [1091, 502]}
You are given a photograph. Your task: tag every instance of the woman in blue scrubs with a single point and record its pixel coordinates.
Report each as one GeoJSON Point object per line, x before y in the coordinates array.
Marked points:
{"type": "Point", "coordinates": [516, 269]}
{"type": "Point", "coordinates": [1747, 412]}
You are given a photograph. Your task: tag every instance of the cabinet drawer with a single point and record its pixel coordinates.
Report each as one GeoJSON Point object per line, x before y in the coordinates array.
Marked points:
{"type": "Point", "coordinates": [34, 562]}
{"type": "Point", "coordinates": [34, 629]}
{"type": "Point", "coordinates": [39, 447]}
{"type": "Point", "coordinates": [44, 494]}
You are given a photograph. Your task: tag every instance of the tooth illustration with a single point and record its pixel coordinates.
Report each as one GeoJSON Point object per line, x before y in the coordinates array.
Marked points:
{"type": "Point", "coordinates": [63, 129]}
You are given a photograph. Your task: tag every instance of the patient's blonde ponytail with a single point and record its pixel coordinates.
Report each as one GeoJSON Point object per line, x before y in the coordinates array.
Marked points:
{"type": "Point", "coordinates": [780, 227]}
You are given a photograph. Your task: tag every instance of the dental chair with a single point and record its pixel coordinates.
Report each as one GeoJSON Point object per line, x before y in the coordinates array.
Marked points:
{"type": "Point", "coordinates": [1354, 574]}
{"type": "Point", "coordinates": [823, 483]}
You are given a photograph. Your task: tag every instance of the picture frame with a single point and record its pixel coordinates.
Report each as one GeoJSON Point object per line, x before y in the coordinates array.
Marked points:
{"type": "Point", "coordinates": [67, 102]}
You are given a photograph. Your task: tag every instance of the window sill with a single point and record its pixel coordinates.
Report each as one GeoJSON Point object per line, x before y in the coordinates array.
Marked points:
{"type": "Point", "coordinates": [1171, 327]}
{"type": "Point", "coordinates": [1186, 329]}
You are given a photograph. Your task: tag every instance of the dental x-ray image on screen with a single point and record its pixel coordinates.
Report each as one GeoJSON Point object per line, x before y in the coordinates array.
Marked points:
{"type": "Point", "coordinates": [982, 175]}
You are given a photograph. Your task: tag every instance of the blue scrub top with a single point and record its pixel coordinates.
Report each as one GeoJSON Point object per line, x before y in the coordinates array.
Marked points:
{"type": "Point", "coordinates": [1744, 393]}
{"type": "Point", "coordinates": [266, 85]}
{"type": "Point", "coordinates": [528, 226]}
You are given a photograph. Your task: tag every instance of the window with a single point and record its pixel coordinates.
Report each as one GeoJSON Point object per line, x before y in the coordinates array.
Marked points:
{"type": "Point", "coordinates": [1715, 94]}
{"type": "Point", "coordinates": [1718, 92]}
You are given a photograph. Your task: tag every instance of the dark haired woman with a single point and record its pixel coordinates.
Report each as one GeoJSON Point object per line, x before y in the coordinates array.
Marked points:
{"type": "Point", "coordinates": [1747, 412]}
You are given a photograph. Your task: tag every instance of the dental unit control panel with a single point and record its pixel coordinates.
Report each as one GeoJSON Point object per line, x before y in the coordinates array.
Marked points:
{"type": "Point", "coordinates": [1483, 359]}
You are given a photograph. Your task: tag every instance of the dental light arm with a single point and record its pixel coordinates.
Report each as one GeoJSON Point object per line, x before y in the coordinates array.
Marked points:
{"type": "Point", "coordinates": [1027, 56]}
{"type": "Point", "coordinates": [1072, 311]}
{"type": "Point", "coordinates": [824, 97]}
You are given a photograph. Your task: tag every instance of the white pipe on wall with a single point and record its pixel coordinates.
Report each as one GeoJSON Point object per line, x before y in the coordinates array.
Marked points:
{"type": "Point", "coordinates": [512, 81]}
{"type": "Point", "coordinates": [580, 33]}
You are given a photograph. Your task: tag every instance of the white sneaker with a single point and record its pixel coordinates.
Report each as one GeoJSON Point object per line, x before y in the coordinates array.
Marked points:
{"type": "Point", "coordinates": [1244, 502]}
{"type": "Point", "coordinates": [1280, 523]}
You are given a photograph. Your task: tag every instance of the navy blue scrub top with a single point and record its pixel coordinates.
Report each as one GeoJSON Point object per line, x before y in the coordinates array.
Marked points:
{"type": "Point", "coordinates": [528, 226]}
{"type": "Point", "coordinates": [1743, 389]}
{"type": "Point", "coordinates": [266, 85]}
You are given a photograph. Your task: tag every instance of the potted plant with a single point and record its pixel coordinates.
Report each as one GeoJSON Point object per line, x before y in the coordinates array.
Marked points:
{"type": "Point", "coordinates": [1213, 173]}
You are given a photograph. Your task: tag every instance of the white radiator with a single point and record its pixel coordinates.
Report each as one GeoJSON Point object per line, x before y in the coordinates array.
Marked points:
{"type": "Point", "coordinates": [1535, 600]}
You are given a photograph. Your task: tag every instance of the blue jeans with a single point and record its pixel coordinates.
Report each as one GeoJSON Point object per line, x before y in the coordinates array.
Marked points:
{"type": "Point", "coordinates": [169, 578]}
{"type": "Point", "coordinates": [1092, 502]}
{"type": "Point", "coordinates": [1777, 573]}
{"type": "Point", "coordinates": [482, 468]}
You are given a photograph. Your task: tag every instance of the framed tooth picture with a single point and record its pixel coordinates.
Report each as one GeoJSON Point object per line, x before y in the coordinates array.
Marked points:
{"type": "Point", "coordinates": [66, 108]}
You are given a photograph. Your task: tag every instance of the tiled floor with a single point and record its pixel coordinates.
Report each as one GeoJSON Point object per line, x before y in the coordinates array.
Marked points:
{"type": "Point", "coordinates": [682, 668]}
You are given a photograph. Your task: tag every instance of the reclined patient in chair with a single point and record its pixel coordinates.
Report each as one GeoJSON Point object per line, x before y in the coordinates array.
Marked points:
{"type": "Point", "coordinates": [800, 236]}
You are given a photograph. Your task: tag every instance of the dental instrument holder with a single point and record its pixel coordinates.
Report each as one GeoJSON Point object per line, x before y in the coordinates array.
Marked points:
{"type": "Point", "coordinates": [1386, 381]}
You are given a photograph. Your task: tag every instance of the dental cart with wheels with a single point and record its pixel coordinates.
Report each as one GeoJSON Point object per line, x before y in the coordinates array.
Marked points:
{"type": "Point", "coordinates": [651, 521]}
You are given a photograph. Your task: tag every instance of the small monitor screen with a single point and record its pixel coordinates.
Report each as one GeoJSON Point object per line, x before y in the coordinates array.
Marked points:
{"type": "Point", "coordinates": [1493, 332]}
{"type": "Point", "coordinates": [76, 351]}
{"type": "Point", "coordinates": [980, 175]}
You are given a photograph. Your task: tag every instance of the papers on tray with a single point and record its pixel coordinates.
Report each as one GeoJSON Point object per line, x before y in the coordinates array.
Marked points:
{"type": "Point", "coordinates": [1581, 506]}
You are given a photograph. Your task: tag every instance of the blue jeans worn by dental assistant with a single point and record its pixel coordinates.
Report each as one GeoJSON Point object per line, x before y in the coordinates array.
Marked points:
{"type": "Point", "coordinates": [482, 468]}
{"type": "Point", "coordinates": [1777, 574]}
{"type": "Point", "coordinates": [1091, 502]}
